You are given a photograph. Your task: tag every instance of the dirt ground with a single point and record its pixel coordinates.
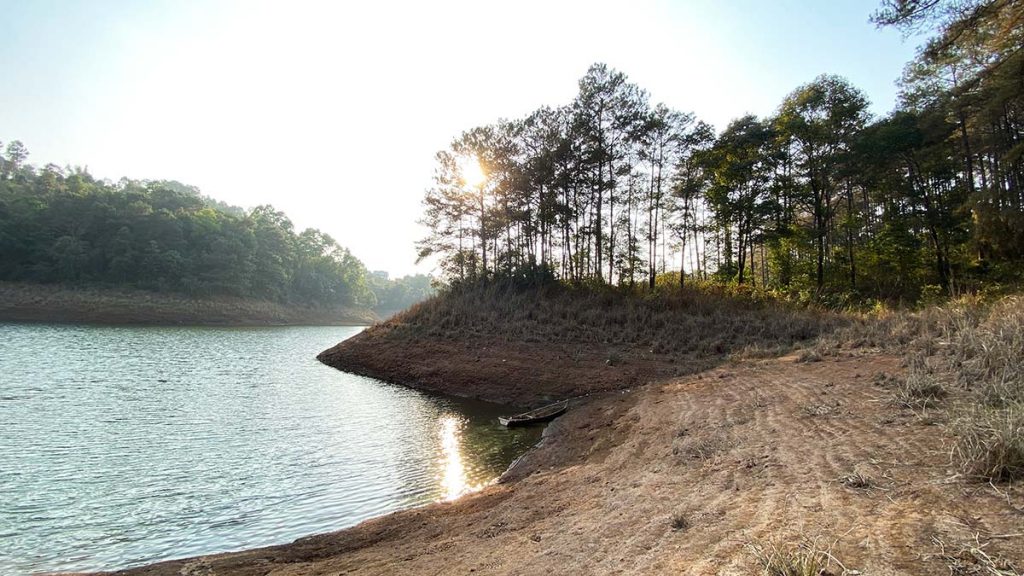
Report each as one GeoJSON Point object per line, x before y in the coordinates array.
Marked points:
{"type": "Point", "coordinates": [684, 476]}
{"type": "Point", "coordinates": [516, 373]}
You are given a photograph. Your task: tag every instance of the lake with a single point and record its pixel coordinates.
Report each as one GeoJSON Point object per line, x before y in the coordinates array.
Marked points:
{"type": "Point", "coordinates": [121, 446]}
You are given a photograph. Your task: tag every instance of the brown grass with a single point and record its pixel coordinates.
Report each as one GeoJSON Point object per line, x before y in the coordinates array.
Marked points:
{"type": "Point", "coordinates": [805, 558]}
{"type": "Point", "coordinates": [972, 559]}
{"type": "Point", "coordinates": [920, 389]}
{"type": "Point", "coordinates": [857, 480]}
{"type": "Point", "coordinates": [990, 442]}
{"type": "Point", "coordinates": [976, 348]}
{"type": "Point", "coordinates": [688, 323]}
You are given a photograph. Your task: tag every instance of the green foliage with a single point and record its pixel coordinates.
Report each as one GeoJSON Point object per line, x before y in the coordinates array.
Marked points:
{"type": "Point", "coordinates": [400, 293]}
{"type": "Point", "coordinates": [64, 226]}
{"type": "Point", "coordinates": [819, 202]}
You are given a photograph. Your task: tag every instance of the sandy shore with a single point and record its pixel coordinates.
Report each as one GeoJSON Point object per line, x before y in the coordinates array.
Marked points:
{"type": "Point", "coordinates": [686, 475]}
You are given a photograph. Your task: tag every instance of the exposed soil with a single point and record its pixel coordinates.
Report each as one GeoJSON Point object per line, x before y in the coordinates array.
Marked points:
{"type": "Point", "coordinates": [46, 303]}
{"type": "Point", "coordinates": [490, 368]}
{"type": "Point", "coordinates": [527, 347]}
{"type": "Point", "coordinates": [681, 476]}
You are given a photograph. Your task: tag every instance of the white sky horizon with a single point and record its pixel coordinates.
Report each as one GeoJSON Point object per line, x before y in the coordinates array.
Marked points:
{"type": "Point", "coordinates": [333, 112]}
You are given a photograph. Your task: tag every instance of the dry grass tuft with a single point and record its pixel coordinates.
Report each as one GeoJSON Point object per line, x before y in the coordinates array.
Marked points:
{"type": "Point", "coordinates": [973, 560]}
{"type": "Point", "coordinates": [967, 345]}
{"type": "Point", "coordinates": [703, 448]}
{"type": "Point", "coordinates": [821, 410]}
{"type": "Point", "coordinates": [990, 443]}
{"type": "Point", "coordinates": [806, 558]}
{"type": "Point", "coordinates": [918, 390]}
{"type": "Point", "coordinates": [986, 352]}
{"type": "Point", "coordinates": [856, 480]}
{"type": "Point", "coordinates": [680, 522]}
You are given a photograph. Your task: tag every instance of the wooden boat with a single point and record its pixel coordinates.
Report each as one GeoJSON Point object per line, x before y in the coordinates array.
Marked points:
{"type": "Point", "coordinates": [542, 414]}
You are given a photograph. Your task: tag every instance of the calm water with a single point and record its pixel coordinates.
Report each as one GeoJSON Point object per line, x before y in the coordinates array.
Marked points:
{"type": "Point", "coordinates": [121, 446]}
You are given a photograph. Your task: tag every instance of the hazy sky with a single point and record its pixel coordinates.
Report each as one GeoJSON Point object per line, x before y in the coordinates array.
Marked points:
{"type": "Point", "coordinates": [332, 111]}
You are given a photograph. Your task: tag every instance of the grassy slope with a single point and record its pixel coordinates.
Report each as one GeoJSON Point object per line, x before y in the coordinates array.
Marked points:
{"type": "Point", "coordinates": [47, 303]}
{"type": "Point", "coordinates": [527, 347]}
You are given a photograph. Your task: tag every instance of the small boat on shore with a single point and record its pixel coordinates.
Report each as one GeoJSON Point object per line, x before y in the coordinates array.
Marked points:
{"type": "Point", "coordinates": [542, 414]}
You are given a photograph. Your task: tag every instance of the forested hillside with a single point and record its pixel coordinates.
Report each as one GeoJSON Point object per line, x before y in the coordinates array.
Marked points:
{"type": "Point", "coordinates": [819, 200]}
{"type": "Point", "coordinates": [64, 226]}
{"type": "Point", "coordinates": [396, 294]}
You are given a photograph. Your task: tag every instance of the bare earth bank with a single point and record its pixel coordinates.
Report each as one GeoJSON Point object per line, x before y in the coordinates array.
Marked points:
{"type": "Point", "coordinates": [493, 368]}
{"type": "Point", "coordinates": [682, 476]}
{"type": "Point", "coordinates": [46, 303]}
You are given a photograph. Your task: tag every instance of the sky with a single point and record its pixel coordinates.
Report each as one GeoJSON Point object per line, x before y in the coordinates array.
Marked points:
{"type": "Point", "coordinates": [333, 111]}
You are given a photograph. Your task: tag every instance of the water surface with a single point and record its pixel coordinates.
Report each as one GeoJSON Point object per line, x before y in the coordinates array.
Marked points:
{"type": "Point", "coordinates": [121, 446]}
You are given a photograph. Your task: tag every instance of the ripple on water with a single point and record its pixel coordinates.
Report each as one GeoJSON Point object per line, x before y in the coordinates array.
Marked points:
{"type": "Point", "coordinates": [135, 445]}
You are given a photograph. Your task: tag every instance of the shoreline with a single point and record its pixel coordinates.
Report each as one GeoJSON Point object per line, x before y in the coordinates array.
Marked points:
{"type": "Point", "coordinates": [533, 460]}
{"type": "Point", "coordinates": [512, 473]}
{"type": "Point", "coordinates": [680, 463]}
{"type": "Point", "coordinates": [36, 303]}
{"type": "Point", "coordinates": [681, 475]}
{"type": "Point", "coordinates": [522, 374]}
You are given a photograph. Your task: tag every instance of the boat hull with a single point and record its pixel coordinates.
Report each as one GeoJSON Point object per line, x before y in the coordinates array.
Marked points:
{"type": "Point", "coordinates": [539, 416]}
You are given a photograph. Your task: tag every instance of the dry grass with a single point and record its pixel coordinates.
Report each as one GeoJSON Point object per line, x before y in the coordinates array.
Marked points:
{"type": "Point", "coordinates": [920, 389]}
{"type": "Point", "coordinates": [856, 480]}
{"type": "Point", "coordinates": [990, 442]}
{"type": "Point", "coordinates": [691, 324]}
{"type": "Point", "coordinates": [960, 356]}
{"type": "Point", "coordinates": [974, 347]}
{"type": "Point", "coordinates": [986, 352]}
{"type": "Point", "coordinates": [703, 448]}
{"type": "Point", "coordinates": [972, 559]}
{"type": "Point", "coordinates": [805, 558]}
{"type": "Point", "coordinates": [680, 522]}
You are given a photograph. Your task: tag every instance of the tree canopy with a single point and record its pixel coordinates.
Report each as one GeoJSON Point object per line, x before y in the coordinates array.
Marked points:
{"type": "Point", "coordinates": [64, 226]}
{"type": "Point", "coordinates": [817, 198]}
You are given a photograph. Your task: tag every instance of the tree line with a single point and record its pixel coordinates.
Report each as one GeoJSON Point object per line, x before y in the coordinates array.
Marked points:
{"type": "Point", "coordinates": [818, 198]}
{"type": "Point", "coordinates": [394, 294]}
{"type": "Point", "coordinates": [62, 225]}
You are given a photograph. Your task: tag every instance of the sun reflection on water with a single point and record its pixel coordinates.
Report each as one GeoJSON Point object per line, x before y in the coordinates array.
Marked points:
{"type": "Point", "coordinates": [454, 481]}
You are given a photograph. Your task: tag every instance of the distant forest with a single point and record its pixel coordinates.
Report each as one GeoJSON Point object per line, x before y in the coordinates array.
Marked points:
{"type": "Point", "coordinates": [63, 226]}
{"type": "Point", "coordinates": [818, 200]}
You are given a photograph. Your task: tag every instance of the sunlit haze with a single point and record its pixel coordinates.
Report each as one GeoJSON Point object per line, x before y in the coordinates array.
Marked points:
{"type": "Point", "coordinates": [333, 112]}
{"type": "Point", "coordinates": [472, 173]}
